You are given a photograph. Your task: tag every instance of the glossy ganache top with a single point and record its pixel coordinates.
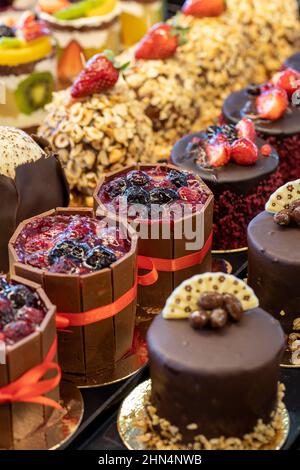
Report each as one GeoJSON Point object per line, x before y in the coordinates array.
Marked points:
{"type": "Point", "coordinates": [293, 62]}
{"type": "Point", "coordinates": [238, 178]}
{"type": "Point", "coordinates": [288, 124]}
{"type": "Point", "coordinates": [249, 344]}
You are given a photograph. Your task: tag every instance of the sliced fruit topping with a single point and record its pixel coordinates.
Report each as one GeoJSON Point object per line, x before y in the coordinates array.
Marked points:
{"type": "Point", "coordinates": [16, 330]}
{"type": "Point", "coordinates": [52, 6]}
{"type": "Point", "coordinates": [178, 178]}
{"type": "Point", "coordinates": [34, 92]}
{"type": "Point", "coordinates": [202, 8]}
{"type": "Point", "coordinates": [160, 42]}
{"type": "Point", "coordinates": [245, 129]}
{"type": "Point", "coordinates": [137, 177]}
{"type": "Point", "coordinates": [30, 314]}
{"type": "Point", "coordinates": [106, 7]}
{"type": "Point", "coordinates": [272, 104]}
{"type": "Point", "coordinates": [70, 62]}
{"type": "Point", "coordinates": [11, 42]}
{"type": "Point", "coordinates": [288, 80]}
{"type": "Point", "coordinates": [25, 52]}
{"type": "Point", "coordinates": [68, 249]}
{"type": "Point", "coordinates": [244, 152]}
{"type": "Point", "coordinates": [136, 195]}
{"type": "Point", "coordinates": [162, 196]}
{"type": "Point", "coordinates": [99, 257]}
{"type": "Point", "coordinates": [77, 10]}
{"type": "Point", "coordinates": [218, 154]}
{"type": "Point", "coordinates": [100, 73]}
{"type": "Point", "coordinates": [189, 194]}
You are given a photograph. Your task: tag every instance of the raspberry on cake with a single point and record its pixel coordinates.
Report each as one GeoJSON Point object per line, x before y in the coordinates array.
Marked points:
{"type": "Point", "coordinates": [230, 161]}
{"type": "Point", "coordinates": [203, 341]}
{"type": "Point", "coordinates": [27, 70]}
{"type": "Point", "coordinates": [27, 327]}
{"type": "Point", "coordinates": [26, 163]}
{"type": "Point", "coordinates": [172, 212]}
{"type": "Point", "coordinates": [275, 117]}
{"type": "Point", "coordinates": [80, 260]}
{"type": "Point", "coordinates": [81, 29]}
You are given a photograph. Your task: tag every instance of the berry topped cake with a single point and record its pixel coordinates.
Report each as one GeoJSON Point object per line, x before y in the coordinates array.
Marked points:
{"type": "Point", "coordinates": [273, 109]}
{"type": "Point", "coordinates": [98, 125]}
{"type": "Point", "coordinates": [172, 212]}
{"type": "Point", "coordinates": [203, 346]}
{"type": "Point", "coordinates": [27, 70]}
{"type": "Point", "coordinates": [274, 255]}
{"type": "Point", "coordinates": [25, 163]}
{"type": "Point", "coordinates": [82, 28]}
{"type": "Point", "coordinates": [87, 266]}
{"type": "Point", "coordinates": [70, 244]}
{"type": "Point", "coordinates": [28, 334]}
{"type": "Point", "coordinates": [241, 171]}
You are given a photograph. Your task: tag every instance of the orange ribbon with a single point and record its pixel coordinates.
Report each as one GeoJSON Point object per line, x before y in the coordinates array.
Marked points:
{"type": "Point", "coordinates": [64, 320]}
{"type": "Point", "coordinates": [170, 265]}
{"type": "Point", "coordinates": [30, 388]}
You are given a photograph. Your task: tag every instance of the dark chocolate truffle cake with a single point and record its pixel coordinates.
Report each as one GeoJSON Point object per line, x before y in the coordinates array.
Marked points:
{"type": "Point", "coordinates": [274, 108]}
{"type": "Point", "coordinates": [214, 359]}
{"type": "Point", "coordinates": [274, 255]}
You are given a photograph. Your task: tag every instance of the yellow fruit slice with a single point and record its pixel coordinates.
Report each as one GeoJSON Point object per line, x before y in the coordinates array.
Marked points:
{"type": "Point", "coordinates": [33, 50]}
{"type": "Point", "coordinates": [104, 9]}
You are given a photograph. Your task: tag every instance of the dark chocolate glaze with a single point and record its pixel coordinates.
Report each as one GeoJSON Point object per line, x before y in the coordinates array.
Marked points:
{"type": "Point", "coordinates": [293, 62]}
{"type": "Point", "coordinates": [274, 267]}
{"type": "Point", "coordinates": [236, 178]}
{"type": "Point", "coordinates": [37, 187]}
{"type": "Point", "coordinates": [222, 380]}
{"type": "Point", "coordinates": [288, 124]}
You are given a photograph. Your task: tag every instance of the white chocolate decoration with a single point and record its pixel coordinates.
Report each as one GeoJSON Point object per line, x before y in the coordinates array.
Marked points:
{"type": "Point", "coordinates": [283, 197]}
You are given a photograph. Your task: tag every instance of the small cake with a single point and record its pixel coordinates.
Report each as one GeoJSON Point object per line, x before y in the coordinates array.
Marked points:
{"type": "Point", "coordinates": [27, 71]}
{"type": "Point", "coordinates": [26, 163]}
{"type": "Point", "coordinates": [95, 129]}
{"type": "Point", "coordinates": [82, 29]}
{"type": "Point", "coordinates": [86, 266]}
{"type": "Point", "coordinates": [214, 356]}
{"type": "Point", "coordinates": [136, 18]}
{"type": "Point", "coordinates": [274, 255]}
{"type": "Point", "coordinates": [273, 109]}
{"type": "Point", "coordinates": [172, 212]}
{"type": "Point", "coordinates": [28, 331]}
{"type": "Point", "coordinates": [239, 169]}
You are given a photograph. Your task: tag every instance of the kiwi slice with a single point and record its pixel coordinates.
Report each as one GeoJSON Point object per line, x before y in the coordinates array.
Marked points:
{"type": "Point", "coordinates": [8, 43]}
{"type": "Point", "coordinates": [34, 92]}
{"type": "Point", "coordinates": [77, 10]}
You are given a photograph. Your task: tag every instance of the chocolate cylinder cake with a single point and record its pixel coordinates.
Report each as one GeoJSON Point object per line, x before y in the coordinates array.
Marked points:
{"type": "Point", "coordinates": [87, 266]}
{"type": "Point", "coordinates": [273, 108]}
{"type": "Point", "coordinates": [31, 181]}
{"type": "Point", "coordinates": [28, 334]}
{"type": "Point", "coordinates": [172, 213]}
{"type": "Point", "coordinates": [274, 255]}
{"type": "Point", "coordinates": [205, 368]}
{"type": "Point", "coordinates": [239, 169]}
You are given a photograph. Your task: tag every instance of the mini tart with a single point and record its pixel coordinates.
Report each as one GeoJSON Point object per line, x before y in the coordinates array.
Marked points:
{"type": "Point", "coordinates": [29, 52]}
{"type": "Point", "coordinates": [19, 420]}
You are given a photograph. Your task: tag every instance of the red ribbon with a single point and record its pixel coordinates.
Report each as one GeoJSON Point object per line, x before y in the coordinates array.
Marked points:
{"type": "Point", "coordinates": [30, 388]}
{"type": "Point", "coordinates": [170, 265]}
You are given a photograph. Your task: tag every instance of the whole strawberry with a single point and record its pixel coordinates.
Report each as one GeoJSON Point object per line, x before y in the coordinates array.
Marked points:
{"type": "Point", "coordinates": [218, 153]}
{"type": "Point", "coordinates": [203, 8]}
{"type": "Point", "coordinates": [160, 42]}
{"type": "Point", "coordinates": [99, 74]}
{"type": "Point", "coordinates": [288, 80]}
{"type": "Point", "coordinates": [244, 152]}
{"type": "Point", "coordinates": [272, 104]}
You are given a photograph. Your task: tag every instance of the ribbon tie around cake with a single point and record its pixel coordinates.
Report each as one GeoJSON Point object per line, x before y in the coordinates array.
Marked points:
{"type": "Point", "coordinates": [154, 265]}
{"type": "Point", "coordinates": [30, 387]}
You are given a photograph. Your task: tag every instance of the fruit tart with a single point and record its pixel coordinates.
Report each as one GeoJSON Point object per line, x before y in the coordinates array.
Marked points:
{"type": "Point", "coordinates": [27, 349]}
{"type": "Point", "coordinates": [27, 70]}
{"type": "Point", "coordinates": [240, 170]}
{"type": "Point", "coordinates": [172, 213]}
{"type": "Point", "coordinates": [87, 266]}
{"type": "Point", "coordinates": [82, 28]}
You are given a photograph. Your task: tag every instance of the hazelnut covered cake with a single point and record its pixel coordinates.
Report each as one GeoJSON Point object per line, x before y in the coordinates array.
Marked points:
{"type": "Point", "coordinates": [202, 345]}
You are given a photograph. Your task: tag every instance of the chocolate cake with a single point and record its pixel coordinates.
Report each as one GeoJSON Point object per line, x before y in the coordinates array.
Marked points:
{"type": "Point", "coordinates": [214, 355]}
{"type": "Point", "coordinates": [28, 331]}
{"type": "Point", "coordinates": [243, 183]}
{"type": "Point", "coordinates": [87, 266]}
{"type": "Point", "coordinates": [274, 256]}
{"type": "Point", "coordinates": [172, 213]}
{"type": "Point", "coordinates": [281, 129]}
{"type": "Point", "coordinates": [31, 181]}
{"type": "Point", "coordinates": [293, 62]}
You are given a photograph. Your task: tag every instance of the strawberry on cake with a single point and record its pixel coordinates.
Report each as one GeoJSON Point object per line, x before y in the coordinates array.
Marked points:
{"type": "Point", "coordinates": [240, 169]}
